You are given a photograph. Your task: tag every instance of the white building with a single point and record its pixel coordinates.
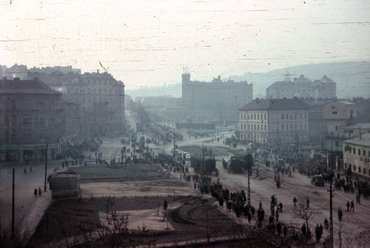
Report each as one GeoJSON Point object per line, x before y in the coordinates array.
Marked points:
{"type": "Point", "coordinates": [356, 155]}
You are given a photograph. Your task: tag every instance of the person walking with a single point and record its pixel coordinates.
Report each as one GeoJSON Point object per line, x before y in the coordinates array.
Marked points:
{"type": "Point", "coordinates": [352, 206]}
{"type": "Point", "coordinates": [278, 228]}
{"type": "Point", "coordinates": [308, 202]}
{"type": "Point", "coordinates": [340, 214]}
{"type": "Point", "coordinates": [348, 206]}
{"type": "Point", "coordinates": [295, 201]}
{"type": "Point", "coordinates": [326, 223]}
{"type": "Point", "coordinates": [285, 230]}
{"type": "Point", "coordinates": [303, 229]}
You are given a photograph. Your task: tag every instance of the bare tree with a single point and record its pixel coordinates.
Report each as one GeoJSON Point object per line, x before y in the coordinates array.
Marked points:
{"type": "Point", "coordinates": [116, 234]}
{"type": "Point", "coordinates": [303, 213]}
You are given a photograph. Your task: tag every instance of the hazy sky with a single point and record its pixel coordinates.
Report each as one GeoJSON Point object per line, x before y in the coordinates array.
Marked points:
{"type": "Point", "coordinates": [146, 43]}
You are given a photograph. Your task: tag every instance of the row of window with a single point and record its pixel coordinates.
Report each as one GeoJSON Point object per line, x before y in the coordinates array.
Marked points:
{"type": "Point", "coordinates": [357, 151]}
{"type": "Point", "coordinates": [290, 116]}
{"type": "Point", "coordinates": [286, 116]}
{"type": "Point", "coordinates": [293, 127]}
{"type": "Point", "coordinates": [358, 169]}
{"type": "Point", "coordinates": [253, 117]}
{"type": "Point", "coordinates": [253, 127]}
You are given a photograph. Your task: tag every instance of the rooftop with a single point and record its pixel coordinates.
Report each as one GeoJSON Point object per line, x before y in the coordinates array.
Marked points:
{"type": "Point", "coordinates": [18, 86]}
{"type": "Point", "coordinates": [275, 104]}
{"type": "Point", "coordinates": [363, 141]}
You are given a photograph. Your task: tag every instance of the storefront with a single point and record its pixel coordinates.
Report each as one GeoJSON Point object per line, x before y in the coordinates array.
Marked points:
{"type": "Point", "coordinates": [9, 153]}
{"type": "Point", "coordinates": [36, 152]}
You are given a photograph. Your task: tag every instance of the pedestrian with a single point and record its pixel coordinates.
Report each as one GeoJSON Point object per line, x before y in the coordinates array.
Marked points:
{"type": "Point", "coordinates": [348, 206]}
{"type": "Point", "coordinates": [278, 228]}
{"type": "Point", "coordinates": [326, 223]}
{"type": "Point", "coordinates": [303, 229]}
{"type": "Point", "coordinates": [35, 192]}
{"type": "Point", "coordinates": [308, 202]}
{"type": "Point", "coordinates": [249, 217]}
{"type": "Point", "coordinates": [352, 206]}
{"type": "Point", "coordinates": [295, 201]}
{"type": "Point", "coordinates": [317, 233]}
{"type": "Point", "coordinates": [39, 191]}
{"type": "Point", "coordinates": [271, 219]}
{"type": "Point", "coordinates": [340, 214]}
{"type": "Point", "coordinates": [358, 199]}
{"type": "Point", "coordinates": [281, 207]}
{"type": "Point", "coordinates": [277, 215]}
{"type": "Point", "coordinates": [285, 230]}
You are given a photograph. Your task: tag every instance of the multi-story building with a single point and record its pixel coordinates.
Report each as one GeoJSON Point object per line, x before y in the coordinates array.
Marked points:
{"type": "Point", "coordinates": [98, 96]}
{"type": "Point", "coordinates": [275, 121]}
{"type": "Point", "coordinates": [32, 120]}
{"type": "Point", "coordinates": [101, 101]}
{"type": "Point", "coordinates": [337, 115]}
{"type": "Point", "coordinates": [317, 124]}
{"type": "Point", "coordinates": [213, 101]}
{"type": "Point", "coordinates": [302, 88]}
{"type": "Point", "coordinates": [356, 155]}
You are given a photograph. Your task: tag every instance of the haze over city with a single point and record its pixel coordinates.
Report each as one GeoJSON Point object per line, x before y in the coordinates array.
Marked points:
{"type": "Point", "coordinates": [147, 43]}
{"type": "Point", "coordinates": [184, 123]}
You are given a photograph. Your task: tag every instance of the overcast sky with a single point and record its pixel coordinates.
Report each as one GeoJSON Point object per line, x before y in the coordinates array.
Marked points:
{"type": "Point", "coordinates": [147, 43]}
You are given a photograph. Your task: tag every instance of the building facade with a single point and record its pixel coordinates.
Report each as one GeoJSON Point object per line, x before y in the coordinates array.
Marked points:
{"type": "Point", "coordinates": [216, 101]}
{"type": "Point", "coordinates": [337, 115]}
{"type": "Point", "coordinates": [275, 121]}
{"type": "Point", "coordinates": [302, 88]}
{"type": "Point", "coordinates": [99, 99]}
{"type": "Point", "coordinates": [356, 155]}
{"type": "Point", "coordinates": [32, 120]}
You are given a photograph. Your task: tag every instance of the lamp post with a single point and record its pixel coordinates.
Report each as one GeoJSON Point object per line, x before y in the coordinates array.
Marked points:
{"type": "Point", "coordinates": [46, 163]}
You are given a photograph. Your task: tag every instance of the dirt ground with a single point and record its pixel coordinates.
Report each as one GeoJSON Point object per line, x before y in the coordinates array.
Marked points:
{"type": "Point", "coordinates": [189, 219]}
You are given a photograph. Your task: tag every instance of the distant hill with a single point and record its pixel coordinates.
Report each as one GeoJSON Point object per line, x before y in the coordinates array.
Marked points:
{"type": "Point", "coordinates": [352, 78]}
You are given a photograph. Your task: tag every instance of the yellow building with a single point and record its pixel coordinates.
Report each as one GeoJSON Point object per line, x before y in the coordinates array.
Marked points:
{"type": "Point", "coordinates": [275, 121]}
{"type": "Point", "coordinates": [337, 115]}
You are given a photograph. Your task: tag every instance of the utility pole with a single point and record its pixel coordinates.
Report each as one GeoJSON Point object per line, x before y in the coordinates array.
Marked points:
{"type": "Point", "coordinates": [331, 233]}
{"type": "Point", "coordinates": [203, 156]}
{"type": "Point", "coordinates": [13, 188]}
{"type": "Point", "coordinates": [249, 164]}
{"type": "Point", "coordinates": [46, 163]}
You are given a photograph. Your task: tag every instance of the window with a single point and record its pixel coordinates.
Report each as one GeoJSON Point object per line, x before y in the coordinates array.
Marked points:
{"type": "Point", "coordinates": [354, 167]}
{"type": "Point", "coordinates": [265, 116]}
{"type": "Point", "coordinates": [359, 169]}
{"type": "Point", "coordinates": [282, 116]}
{"type": "Point", "coordinates": [364, 171]}
{"type": "Point", "coordinates": [282, 127]}
{"type": "Point", "coordinates": [336, 127]}
{"type": "Point", "coordinates": [364, 153]}
{"type": "Point", "coordinates": [358, 151]}
{"type": "Point", "coordinates": [336, 143]}
{"type": "Point", "coordinates": [334, 112]}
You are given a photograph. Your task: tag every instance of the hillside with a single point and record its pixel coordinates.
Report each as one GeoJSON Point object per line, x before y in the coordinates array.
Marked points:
{"type": "Point", "coordinates": [352, 78]}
